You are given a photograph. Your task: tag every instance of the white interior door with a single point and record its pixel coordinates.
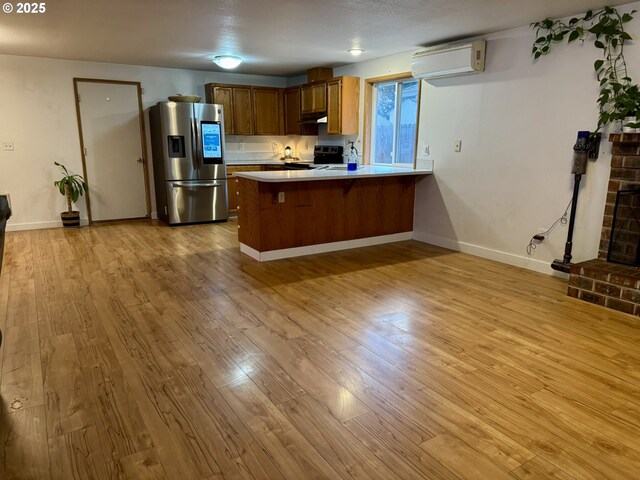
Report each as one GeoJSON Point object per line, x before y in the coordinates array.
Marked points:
{"type": "Point", "coordinates": [110, 122]}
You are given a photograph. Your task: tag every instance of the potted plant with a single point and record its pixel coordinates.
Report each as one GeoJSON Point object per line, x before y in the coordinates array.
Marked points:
{"type": "Point", "coordinates": [627, 106]}
{"type": "Point", "coordinates": [619, 96]}
{"type": "Point", "coordinates": [72, 187]}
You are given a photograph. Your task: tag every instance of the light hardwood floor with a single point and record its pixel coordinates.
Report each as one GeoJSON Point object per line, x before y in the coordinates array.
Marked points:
{"type": "Point", "coordinates": [139, 351]}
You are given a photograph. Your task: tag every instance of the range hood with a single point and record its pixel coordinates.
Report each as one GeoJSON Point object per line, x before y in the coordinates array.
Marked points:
{"type": "Point", "coordinates": [314, 118]}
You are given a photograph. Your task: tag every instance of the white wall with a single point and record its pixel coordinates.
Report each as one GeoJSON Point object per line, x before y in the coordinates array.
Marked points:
{"type": "Point", "coordinates": [38, 116]}
{"type": "Point", "coordinates": [518, 122]}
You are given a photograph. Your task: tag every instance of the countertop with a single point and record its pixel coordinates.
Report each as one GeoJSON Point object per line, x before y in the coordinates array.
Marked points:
{"type": "Point", "coordinates": [330, 174]}
{"type": "Point", "coordinates": [235, 163]}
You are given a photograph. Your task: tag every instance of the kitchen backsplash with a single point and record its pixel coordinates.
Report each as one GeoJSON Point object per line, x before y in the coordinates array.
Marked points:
{"type": "Point", "coordinates": [260, 148]}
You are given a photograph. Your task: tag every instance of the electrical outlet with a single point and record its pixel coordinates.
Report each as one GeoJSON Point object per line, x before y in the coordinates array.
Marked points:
{"type": "Point", "coordinates": [427, 150]}
{"type": "Point", "coordinates": [241, 146]}
{"type": "Point", "coordinates": [7, 146]}
{"type": "Point", "coordinates": [280, 197]}
{"type": "Point", "coordinates": [457, 146]}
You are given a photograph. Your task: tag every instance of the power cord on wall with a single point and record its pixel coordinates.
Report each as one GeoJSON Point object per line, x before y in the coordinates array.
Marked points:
{"type": "Point", "coordinates": [539, 237]}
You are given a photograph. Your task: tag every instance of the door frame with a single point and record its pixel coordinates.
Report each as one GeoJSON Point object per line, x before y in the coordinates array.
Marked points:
{"type": "Point", "coordinates": [143, 137]}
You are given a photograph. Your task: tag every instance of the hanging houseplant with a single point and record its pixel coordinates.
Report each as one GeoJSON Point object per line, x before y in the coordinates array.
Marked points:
{"type": "Point", "coordinates": [72, 187]}
{"type": "Point", "coordinates": [619, 97]}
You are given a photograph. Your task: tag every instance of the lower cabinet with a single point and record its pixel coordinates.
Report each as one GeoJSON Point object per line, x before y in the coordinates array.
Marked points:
{"type": "Point", "coordinates": [232, 181]}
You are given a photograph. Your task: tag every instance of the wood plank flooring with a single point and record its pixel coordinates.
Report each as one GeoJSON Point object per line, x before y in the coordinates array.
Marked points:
{"type": "Point", "coordinates": [138, 351]}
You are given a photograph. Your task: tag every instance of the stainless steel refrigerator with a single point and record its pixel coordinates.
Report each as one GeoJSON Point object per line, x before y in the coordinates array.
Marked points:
{"type": "Point", "coordinates": [188, 162]}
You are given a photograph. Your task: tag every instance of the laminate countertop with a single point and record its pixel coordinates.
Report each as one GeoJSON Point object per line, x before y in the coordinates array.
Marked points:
{"type": "Point", "coordinates": [331, 173]}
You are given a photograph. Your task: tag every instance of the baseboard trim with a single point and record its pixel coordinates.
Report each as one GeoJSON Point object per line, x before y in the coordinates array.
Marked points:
{"type": "Point", "coordinates": [490, 254]}
{"type": "Point", "coordinates": [17, 227]}
{"type": "Point", "coordinates": [323, 247]}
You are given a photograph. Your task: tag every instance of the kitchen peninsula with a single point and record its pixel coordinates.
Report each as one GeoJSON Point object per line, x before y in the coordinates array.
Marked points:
{"type": "Point", "coordinates": [299, 212]}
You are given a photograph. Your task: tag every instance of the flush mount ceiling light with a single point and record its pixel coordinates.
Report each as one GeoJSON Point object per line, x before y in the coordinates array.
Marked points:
{"type": "Point", "coordinates": [227, 61]}
{"type": "Point", "coordinates": [355, 51]}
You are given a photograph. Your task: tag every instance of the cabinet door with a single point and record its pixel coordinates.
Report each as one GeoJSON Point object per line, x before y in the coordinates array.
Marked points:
{"type": "Point", "coordinates": [319, 93]}
{"type": "Point", "coordinates": [292, 111]}
{"type": "Point", "coordinates": [234, 192]}
{"type": "Point", "coordinates": [266, 111]}
{"type": "Point", "coordinates": [307, 99]}
{"type": "Point", "coordinates": [242, 111]}
{"type": "Point", "coordinates": [349, 105]}
{"type": "Point", "coordinates": [334, 107]}
{"type": "Point", "coordinates": [224, 97]}
{"type": "Point", "coordinates": [314, 98]}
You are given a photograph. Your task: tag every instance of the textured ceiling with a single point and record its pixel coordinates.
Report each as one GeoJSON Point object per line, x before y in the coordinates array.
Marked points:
{"type": "Point", "coordinates": [278, 37]}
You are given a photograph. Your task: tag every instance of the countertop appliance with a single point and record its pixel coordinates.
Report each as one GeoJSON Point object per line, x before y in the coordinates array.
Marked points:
{"type": "Point", "coordinates": [188, 162]}
{"type": "Point", "coordinates": [322, 155]}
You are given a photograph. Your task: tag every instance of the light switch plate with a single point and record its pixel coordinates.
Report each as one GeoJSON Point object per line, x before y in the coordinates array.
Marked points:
{"type": "Point", "coordinates": [7, 146]}
{"type": "Point", "coordinates": [457, 147]}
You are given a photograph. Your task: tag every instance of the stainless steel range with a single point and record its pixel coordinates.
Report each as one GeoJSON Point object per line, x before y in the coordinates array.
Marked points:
{"type": "Point", "coordinates": [322, 155]}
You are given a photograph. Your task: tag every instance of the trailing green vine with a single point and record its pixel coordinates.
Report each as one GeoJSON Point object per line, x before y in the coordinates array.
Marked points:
{"type": "Point", "coordinates": [619, 96]}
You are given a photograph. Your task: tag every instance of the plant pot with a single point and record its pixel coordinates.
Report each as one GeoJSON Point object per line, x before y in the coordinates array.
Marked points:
{"type": "Point", "coordinates": [626, 121]}
{"type": "Point", "coordinates": [70, 219]}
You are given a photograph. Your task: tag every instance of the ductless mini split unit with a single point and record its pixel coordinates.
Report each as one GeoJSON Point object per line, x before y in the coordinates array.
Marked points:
{"type": "Point", "coordinates": [449, 60]}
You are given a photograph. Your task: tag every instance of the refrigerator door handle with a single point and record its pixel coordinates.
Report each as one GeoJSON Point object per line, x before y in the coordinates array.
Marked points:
{"type": "Point", "coordinates": [196, 184]}
{"type": "Point", "coordinates": [194, 143]}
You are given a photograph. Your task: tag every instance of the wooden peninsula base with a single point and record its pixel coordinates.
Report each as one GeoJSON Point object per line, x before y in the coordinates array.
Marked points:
{"type": "Point", "coordinates": [287, 214]}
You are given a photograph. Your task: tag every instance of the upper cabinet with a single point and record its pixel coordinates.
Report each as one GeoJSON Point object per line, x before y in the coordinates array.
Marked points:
{"type": "Point", "coordinates": [242, 111]}
{"type": "Point", "coordinates": [267, 111]}
{"type": "Point", "coordinates": [343, 105]}
{"type": "Point", "coordinates": [293, 114]}
{"type": "Point", "coordinates": [314, 98]}
{"type": "Point", "coordinates": [248, 110]}
{"type": "Point", "coordinates": [222, 95]}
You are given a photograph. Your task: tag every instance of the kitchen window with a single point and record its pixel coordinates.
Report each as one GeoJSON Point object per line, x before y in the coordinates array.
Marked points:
{"type": "Point", "coordinates": [393, 128]}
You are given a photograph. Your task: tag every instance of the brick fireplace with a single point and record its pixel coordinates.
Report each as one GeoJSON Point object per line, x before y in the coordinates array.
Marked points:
{"type": "Point", "coordinates": [598, 281]}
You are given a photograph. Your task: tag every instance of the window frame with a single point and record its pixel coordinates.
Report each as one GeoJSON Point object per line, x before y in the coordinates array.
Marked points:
{"type": "Point", "coordinates": [369, 85]}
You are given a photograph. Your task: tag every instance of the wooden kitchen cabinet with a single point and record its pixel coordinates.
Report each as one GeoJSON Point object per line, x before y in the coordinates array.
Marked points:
{"type": "Point", "coordinates": [293, 114]}
{"type": "Point", "coordinates": [232, 181]}
{"type": "Point", "coordinates": [237, 104]}
{"type": "Point", "coordinates": [249, 110]}
{"type": "Point", "coordinates": [242, 111]}
{"type": "Point", "coordinates": [223, 96]}
{"type": "Point", "coordinates": [343, 105]}
{"type": "Point", "coordinates": [314, 98]}
{"type": "Point", "coordinates": [268, 117]}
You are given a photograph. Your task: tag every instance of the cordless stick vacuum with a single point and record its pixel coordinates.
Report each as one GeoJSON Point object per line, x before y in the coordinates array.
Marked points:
{"type": "Point", "coordinates": [587, 146]}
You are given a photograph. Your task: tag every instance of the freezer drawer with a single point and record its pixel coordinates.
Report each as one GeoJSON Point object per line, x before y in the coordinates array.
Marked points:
{"type": "Point", "coordinates": [197, 201]}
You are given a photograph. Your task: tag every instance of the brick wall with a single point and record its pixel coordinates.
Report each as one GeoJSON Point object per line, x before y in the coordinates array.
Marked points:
{"type": "Point", "coordinates": [625, 175]}
{"type": "Point", "coordinates": [607, 284]}
{"type": "Point", "coordinates": [597, 281]}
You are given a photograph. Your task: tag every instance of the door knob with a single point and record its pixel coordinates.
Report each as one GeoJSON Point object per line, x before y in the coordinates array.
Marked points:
{"type": "Point", "coordinates": [140, 160]}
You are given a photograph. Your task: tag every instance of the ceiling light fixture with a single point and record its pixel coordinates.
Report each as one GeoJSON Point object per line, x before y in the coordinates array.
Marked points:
{"type": "Point", "coordinates": [227, 61]}
{"type": "Point", "coordinates": [355, 51]}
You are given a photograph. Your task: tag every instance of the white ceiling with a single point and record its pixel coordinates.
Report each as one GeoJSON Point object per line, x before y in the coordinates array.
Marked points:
{"type": "Point", "coordinates": [275, 37]}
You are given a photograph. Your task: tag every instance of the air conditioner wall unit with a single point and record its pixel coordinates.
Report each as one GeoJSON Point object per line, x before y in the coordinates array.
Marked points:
{"type": "Point", "coordinates": [449, 60]}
